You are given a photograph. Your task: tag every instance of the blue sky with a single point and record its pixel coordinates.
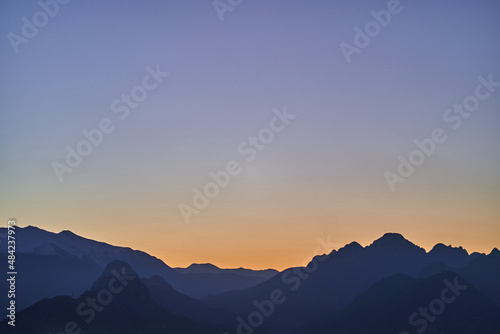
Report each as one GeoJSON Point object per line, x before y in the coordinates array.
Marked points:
{"type": "Point", "coordinates": [323, 175]}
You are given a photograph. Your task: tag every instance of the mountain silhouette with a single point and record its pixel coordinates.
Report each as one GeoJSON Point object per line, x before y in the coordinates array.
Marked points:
{"type": "Point", "coordinates": [117, 303]}
{"type": "Point", "coordinates": [208, 268]}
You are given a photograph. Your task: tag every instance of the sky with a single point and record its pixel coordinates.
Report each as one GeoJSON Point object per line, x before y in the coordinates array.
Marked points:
{"type": "Point", "coordinates": [222, 77]}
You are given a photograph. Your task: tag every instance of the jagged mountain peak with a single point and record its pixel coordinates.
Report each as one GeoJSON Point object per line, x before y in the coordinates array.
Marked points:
{"type": "Point", "coordinates": [351, 247]}
{"type": "Point", "coordinates": [393, 241]}
{"type": "Point", "coordinates": [448, 249]}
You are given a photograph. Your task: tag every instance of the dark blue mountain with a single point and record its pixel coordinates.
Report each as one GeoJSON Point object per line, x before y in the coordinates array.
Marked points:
{"type": "Point", "coordinates": [179, 304]}
{"type": "Point", "coordinates": [208, 268]}
{"type": "Point", "coordinates": [117, 303]}
{"type": "Point", "coordinates": [445, 303]}
{"type": "Point", "coordinates": [216, 280]}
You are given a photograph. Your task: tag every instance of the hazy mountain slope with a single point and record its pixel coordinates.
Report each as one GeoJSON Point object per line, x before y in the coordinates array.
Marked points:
{"type": "Point", "coordinates": [218, 283]}
{"type": "Point", "coordinates": [216, 280]}
{"type": "Point", "coordinates": [387, 306]}
{"type": "Point", "coordinates": [117, 303]}
{"type": "Point", "coordinates": [179, 304]}
{"type": "Point", "coordinates": [484, 273]}
{"type": "Point", "coordinates": [42, 276]}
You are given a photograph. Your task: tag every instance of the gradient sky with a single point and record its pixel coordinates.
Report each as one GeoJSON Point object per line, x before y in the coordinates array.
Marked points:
{"type": "Point", "coordinates": [322, 176]}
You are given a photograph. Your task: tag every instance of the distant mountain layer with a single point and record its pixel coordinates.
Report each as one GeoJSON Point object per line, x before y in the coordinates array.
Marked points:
{"type": "Point", "coordinates": [208, 268]}
{"type": "Point", "coordinates": [217, 280]}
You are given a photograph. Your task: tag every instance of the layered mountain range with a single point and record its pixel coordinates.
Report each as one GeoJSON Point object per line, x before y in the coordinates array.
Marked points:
{"type": "Point", "coordinates": [67, 282]}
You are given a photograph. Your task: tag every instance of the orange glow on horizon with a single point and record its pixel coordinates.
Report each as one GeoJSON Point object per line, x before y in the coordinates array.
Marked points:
{"type": "Point", "coordinates": [281, 255]}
